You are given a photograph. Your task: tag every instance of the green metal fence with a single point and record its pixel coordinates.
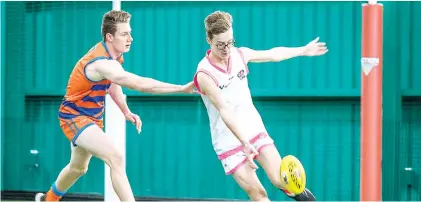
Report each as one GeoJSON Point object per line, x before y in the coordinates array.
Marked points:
{"type": "Point", "coordinates": [310, 105]}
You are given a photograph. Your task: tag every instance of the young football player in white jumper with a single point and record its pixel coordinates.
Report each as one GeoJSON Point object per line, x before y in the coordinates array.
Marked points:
{"type": "Point", "coordinates": [238, 133]}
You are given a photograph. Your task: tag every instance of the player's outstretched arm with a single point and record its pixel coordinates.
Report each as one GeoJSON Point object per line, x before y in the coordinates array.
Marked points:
{"type": "Point", "coordinates": [277, 54]}
{"type": "Point", "coordinates": [113, 71]}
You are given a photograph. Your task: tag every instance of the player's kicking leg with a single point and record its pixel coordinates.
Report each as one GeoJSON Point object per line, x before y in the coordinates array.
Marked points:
{"type": "Point", "coordinates": [77, 167]}
{"type": "Point", "coordinates": [270, 159]}
{"type": "Point", "coordinates": [245, 176]}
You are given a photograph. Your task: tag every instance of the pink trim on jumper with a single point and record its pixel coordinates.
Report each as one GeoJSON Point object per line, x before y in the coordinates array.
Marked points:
{"type": "Point", "coordinates": [262, 147]}
{"type": "Point", "coordinates": [228, 71]}
{"type": "Point", "coordinates": [237, 167]}
{"type": "Point", "coordinates": [196, 83]}
{"type": "Point", "coordinates": [241, 147]}
{"type": "Point", "coordinates": [244, 60]}
{"type": "Point", "coordinates": [245, 159]}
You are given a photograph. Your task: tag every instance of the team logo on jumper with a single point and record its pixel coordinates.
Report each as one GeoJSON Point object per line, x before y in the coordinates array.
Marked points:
{"type": "Point", "coordinates": [241, 75]}
{"type": "Point", "coordinates": [226, 85]}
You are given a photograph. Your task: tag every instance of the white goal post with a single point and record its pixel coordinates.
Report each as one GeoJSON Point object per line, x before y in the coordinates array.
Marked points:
{"type": "Point", "coordinates": [115, 128]}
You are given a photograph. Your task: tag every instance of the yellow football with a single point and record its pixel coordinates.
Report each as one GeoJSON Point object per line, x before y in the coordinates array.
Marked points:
{"type": "Point", "coordinates": [293, 174]}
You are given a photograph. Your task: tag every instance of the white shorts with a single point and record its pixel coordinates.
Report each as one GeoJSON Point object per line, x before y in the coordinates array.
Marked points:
{"type": "Point", "coordinates": [235, 158]}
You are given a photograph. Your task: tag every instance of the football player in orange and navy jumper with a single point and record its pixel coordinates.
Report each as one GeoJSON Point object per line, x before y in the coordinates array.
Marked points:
{"type": "Point", "coordinates": [83, 104]}
{"type": "Point", "coordinates": [81, 112]}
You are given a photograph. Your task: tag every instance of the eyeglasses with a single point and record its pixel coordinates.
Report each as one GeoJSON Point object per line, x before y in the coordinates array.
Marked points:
{"type": "Point", "coordinates": [222, 46]}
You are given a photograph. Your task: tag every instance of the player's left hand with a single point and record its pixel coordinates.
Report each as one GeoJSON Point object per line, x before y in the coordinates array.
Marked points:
{"type": "Point", "coordinates": [251, 152]}
{"type": "Point", "coordinates": [134, 118]}
{"type": "Point", "coordinates": [315, 48]}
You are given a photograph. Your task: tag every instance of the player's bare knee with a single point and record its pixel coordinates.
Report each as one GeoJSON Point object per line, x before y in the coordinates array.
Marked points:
{"type": "Point", "coordinates": [114, 160]}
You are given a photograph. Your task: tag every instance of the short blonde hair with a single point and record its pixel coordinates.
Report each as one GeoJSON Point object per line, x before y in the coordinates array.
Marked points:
{"type": "Point", "coordinates": [217, 22]}
{"type": "Point", "coordinates": [111, 19]}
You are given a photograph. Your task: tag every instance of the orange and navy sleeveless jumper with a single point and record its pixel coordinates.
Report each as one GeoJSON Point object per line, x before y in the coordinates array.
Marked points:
{"type": "Point", "coordinates": [83, 104]}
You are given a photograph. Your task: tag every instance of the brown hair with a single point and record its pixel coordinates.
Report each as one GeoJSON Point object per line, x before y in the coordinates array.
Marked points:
{"type": "Point", "coordinates": [111, 19]}
{"type": "Point", "coordinates": [217, 22]}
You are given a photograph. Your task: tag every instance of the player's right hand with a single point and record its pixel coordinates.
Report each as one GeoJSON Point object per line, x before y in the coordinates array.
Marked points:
{"type": "Point", "coordinates": [251, 152]}
{"type": "Point", "coordinates": [315, 48]}
{"type": "Point", "coordinates": [188, 88]}
{"type": "Point", "coordinates": [134, 118]}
